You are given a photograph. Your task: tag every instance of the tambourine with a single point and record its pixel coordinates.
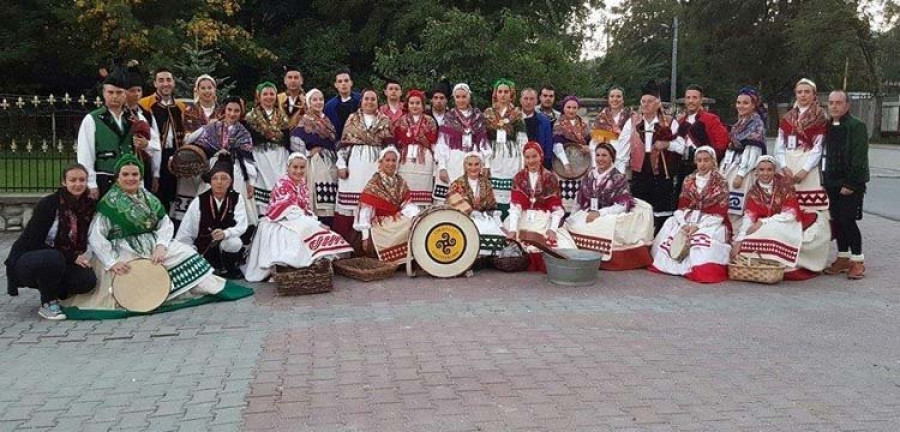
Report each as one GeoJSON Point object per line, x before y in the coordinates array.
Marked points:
{"type": "Point", "coordinates": [144, 288]}
{"type": "Point", "coordinates": [188, 161]}
{"type": "Point", "coordinates": [579, 158]}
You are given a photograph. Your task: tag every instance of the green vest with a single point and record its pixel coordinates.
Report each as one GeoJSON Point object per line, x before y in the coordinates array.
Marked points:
{"type": "Point", "coordinates": [109, 141]}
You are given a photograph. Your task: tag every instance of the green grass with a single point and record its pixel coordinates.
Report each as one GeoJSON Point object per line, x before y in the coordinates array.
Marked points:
{"type": "Point", "coordinates": [34, 174]}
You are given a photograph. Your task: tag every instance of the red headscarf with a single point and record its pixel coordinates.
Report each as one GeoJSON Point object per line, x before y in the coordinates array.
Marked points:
{"type": "Point", "coordinates": [411, 93]}
{"type": "Point", "coordinates": [533, 145]}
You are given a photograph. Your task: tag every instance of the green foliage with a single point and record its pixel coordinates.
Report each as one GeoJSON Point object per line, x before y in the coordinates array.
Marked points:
{"type": "Point", "coordinates": [198, 62]}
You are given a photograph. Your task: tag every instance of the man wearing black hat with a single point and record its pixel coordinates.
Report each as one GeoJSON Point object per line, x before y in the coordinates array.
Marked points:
{"type": "Point", "coordinates": [655, 155]}
{"type": "Point", "coordinates": [292, 100]}
{"type": "Point", "coordinates": [134, 91]}
{"type": "Point", "coordinates": [439, 94]}
{"type": "Point", "coordinates": [216, 221]}
{"type": "Point", "coordinates": [106, 133]}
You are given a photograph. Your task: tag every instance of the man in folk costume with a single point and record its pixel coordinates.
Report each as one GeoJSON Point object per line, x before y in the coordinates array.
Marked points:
{"type": "Point", "coordinates": [439, 95]}
{"type": "Point", "coordinates": [339, 108]}
{"type": "Point", "coordinates": [134, 91]}
{"type": "Point", "coordinates": [168, 116]}
{"type": "Point", "coordinates": [216, 221]}
{"type": "Point", "coordinates": [656, 150]}
{"type": "Point", "coordinates": [106, 134]}
{"type": "Point", "coordinates": [548, 102]}
{"type": "Point", "coordinates": [609, 125]}
{"type": "Point", "coordinates": [416, 134]}
{"type": "Point", "coordinates": [393, 107]}
{"type": "Point", "coordinates": [698, 127]}
{"type": "Point", "coordinates": [846, 174]}
{"type": "Point", "coordinates": [537, 125]}
{"type": "Point", "coordinates": [292, 100]}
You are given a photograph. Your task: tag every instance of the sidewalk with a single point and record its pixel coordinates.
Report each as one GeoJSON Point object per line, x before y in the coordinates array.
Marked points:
{"type": "Point", "coordinates": [494, 352]}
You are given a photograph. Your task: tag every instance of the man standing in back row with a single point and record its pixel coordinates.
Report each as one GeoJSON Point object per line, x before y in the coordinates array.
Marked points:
{"type": "Point", "coordinates": [339, 108]}
{"type": "Point", "coordinates": [168, 116]}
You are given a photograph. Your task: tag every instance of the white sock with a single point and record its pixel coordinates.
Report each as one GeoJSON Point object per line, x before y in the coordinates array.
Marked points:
{"type": "Point", "coordinates": [858, 258]}
{"type": "Point", "coordinates": [843, 254]}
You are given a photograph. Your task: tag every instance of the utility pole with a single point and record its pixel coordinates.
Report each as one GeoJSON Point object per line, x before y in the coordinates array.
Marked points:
{"type": "Point", "coordinates": [674, 63]}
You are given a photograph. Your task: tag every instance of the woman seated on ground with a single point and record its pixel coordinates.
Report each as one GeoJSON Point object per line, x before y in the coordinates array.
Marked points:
{"type": "Point", "coordinates": [52, 254]}
{"type": "Point", "coordinates": [775, 227]}
{"type": "Point", "coordinates": [385, 211]}
{"type": "Point", "coordinates": [215, 222]}
{"type": "Point", "coordinates": [291, 235]}
{"type": "Point", "coordinates": [473, 195]}
{"type": "Point", "coordinates": [608, 219]}
{"type": "Point", "coordinates": [535, 203]}
{"type": "Point", "coordinates": [130, 224]}
{"type": "Point", "coordinates": [702, 221]}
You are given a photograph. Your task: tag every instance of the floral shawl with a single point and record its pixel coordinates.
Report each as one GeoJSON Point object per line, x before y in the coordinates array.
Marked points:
{"type": "Point", "coordinates": [805, 126]}
{"type": "Point", "coordinates": [712, 200]}
{"type": "Point", "coordinates": [485, 200]}
{"type": "Point", "coordinates": [565, 132]}
{"type": "Point", "coordinates": [456, 124]}
{"type": "Point", "coordinates": [408, 132]}
{"type": "Point", "coordinates": [761, 204]}
{"type": "Point", "coordinates": [131, 215]}
{"type": "Point", "coordinates": [609, 189]}
{"type": "Point", "coordinates": [387, 194]}
{"type": "Point", "coordinates": [217, 137]}
{"type": "Point", "coordinates": [546, 194]}
{"type": "Point", "coordinates": [605, 120]}
{"type": "Point", "coordinates": [748, 131]}
{"type": "Point", "coordinates": [287, 194]}
{"type": "Point", "coordinates": [272, 128]}
{"type": "Point", "coordinates": [511, 120]}
{"type": "Point", "coordinates": [74, 220]}
{"type": "Point", "coordinates": [316, 131]}
{"type": "Point", "coordinates": [356, 132]}
{"type": "Point", "coordinates": [195, 118]}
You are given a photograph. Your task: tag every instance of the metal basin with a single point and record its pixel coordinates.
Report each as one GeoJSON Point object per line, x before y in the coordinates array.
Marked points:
{"type": "Point", "coordinates": [579, 270]}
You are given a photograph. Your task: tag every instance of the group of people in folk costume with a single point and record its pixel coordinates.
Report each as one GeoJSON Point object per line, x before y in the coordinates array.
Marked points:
{"type": "Point", "coordinates": [295, 179]}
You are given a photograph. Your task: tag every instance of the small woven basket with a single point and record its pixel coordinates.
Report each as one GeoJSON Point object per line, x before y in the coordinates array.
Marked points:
{"type": "Point", "coordinates": [511, 264]}
{"type": "Point", "coordinates": [759, 270]}
{"type": "Point", "coordinates": [315, 279]}
{"type": "Point", "coordinates": [364, 269]}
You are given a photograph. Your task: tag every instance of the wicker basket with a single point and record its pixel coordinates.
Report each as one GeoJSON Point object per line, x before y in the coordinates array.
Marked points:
{"type": "Point", "coordinates": [365, 269]}
{"type": "Point", "coordinates": [315, 279]}
{"type": "Point", "coordinates": [758, 270]}
{"type": "Point", "coordinates": [512, 264]}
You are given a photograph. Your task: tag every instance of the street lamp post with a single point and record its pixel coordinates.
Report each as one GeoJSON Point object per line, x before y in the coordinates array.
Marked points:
{"type": "Point", "coordinates": [674, 63]}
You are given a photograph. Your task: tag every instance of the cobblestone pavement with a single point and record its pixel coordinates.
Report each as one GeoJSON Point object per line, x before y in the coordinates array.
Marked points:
{"type": "Point", "coordinates": [638, 351]}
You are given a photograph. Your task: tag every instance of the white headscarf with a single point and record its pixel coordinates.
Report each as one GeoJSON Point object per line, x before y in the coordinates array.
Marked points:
{"type": "Point", "coordinates": [708, 150]}
{"type": "Point", "coordinates": [310, 93]}
{"type": "Point", "coordinates": [386, 150]}
{"type": "Point", "coordinates": [473, 154]}
{"type": "Point", "coordinates": [810, 83]}
{"type": "Point", "coordinates": [296, 155]}
{"type": "Point", "coordinates": [462, 86]}
{"type": "Point", "coordinates": [766, 158]}
{"type": "Point", "coordinates": [197, 82]}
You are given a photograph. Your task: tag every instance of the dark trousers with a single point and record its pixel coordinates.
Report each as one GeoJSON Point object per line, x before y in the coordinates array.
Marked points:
{"type": "Point", "coordinates": [46, 270]}
{"type": "Point", "coordinates": [657, 190]}
{"type": "Point", "coordinates": [845, 211]}
{"type": "Point", "coordinates": [168, 183]}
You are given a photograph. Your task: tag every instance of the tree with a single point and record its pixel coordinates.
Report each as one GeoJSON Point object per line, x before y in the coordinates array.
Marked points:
{"type": "Point", "coordinates": [197, 63]}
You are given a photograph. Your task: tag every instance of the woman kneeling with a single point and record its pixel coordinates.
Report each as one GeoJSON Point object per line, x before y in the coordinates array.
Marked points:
{"type": "Point", "coordinates": [608, 219]}
{"type": "Point", "coordinates": [700, 224]}
{"type": "Point", "coordinates": [290, 235]}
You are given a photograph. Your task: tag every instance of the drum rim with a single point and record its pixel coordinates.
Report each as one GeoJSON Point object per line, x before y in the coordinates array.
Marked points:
{"type": "Point", "coordinates": [468, 250]}
{"type": "Point", "coordinates": [164, 297]}
{"type": "Point", "coordinates": [555, 163]}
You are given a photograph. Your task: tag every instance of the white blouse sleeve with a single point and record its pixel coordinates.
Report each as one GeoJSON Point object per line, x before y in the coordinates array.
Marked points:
{"type": "Point", "coordinates": [190, 138]}
{"type": "Point", "coordinates": [342, 156]}
{"type": "Point", "coordinates": [677, 145]}
{"type": "Point", "coordinates": [410, 210]}
{"type": "Point", "coordinates": [298, 145]}
{"type": "Point", "coordinates": [165, 230]}
{"type": "Point", "coordinates": [748, 160]}
{"type": "Point", "coordinates": [515, 212]}
{"type": "Point", "coordinates": [363, 221]}
{"type": "Point", "coordinates": [555, 218]}
{"type": "Point", "coordinates": [780, 149]}
{"type": "Point", "coordinates": [190, 225]}
{"type": "Point", "coordinates": [614, 209]}
{"type": "Point", "coordinates": [623, 148]}
{"type": "Point", "coordinates": [441, 152]}
{"type": "Point", "coordinates": [486, 153]}
{"type": "Point", "coordinates": [240, 218]}
{"type": "Point", "coordinates": [99, 244]}
{"type": "Point", "coordinates": [560, 153]}
{"type": "Point", "coordinates": [85, 149]}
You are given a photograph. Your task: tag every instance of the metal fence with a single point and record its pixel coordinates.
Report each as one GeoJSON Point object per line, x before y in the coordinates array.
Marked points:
{"type": "Point", "coordinates": [37, 139]}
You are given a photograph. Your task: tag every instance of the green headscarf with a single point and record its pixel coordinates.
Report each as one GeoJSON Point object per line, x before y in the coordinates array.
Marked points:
{"type": "Point", "coordinates": [265, 84]}
{"type": "Point", "coordinates": [506, 82]}
{"type": "Point", "coordinates": [128, 159]}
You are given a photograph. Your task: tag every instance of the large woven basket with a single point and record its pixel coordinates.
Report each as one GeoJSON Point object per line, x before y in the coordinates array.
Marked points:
{"type": "Point", "coordinates": [365, 269]}
{"type": "Point", "coordinates": [316, 279]}
{"type": "Point", "coordinates": [759, 270]}
{"type": "Point", "coordinates": [513, 263]}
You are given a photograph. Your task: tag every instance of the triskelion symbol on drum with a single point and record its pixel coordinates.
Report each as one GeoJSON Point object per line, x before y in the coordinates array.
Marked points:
{"type": "Point", "coordinates": [446, 243]}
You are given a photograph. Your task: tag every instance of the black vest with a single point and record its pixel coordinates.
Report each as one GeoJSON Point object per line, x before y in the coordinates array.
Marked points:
{"type": "Point", "coordinates": [212, 218]}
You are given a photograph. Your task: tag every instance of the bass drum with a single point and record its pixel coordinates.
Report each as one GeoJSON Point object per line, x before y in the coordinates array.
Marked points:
{"type": "Point", "coordinates": [444, 241]}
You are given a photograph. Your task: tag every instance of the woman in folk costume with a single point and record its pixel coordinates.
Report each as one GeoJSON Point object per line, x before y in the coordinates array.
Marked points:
{"type": "Point", "coordinates": [569, 129]}
{"type": "Point", "coordinates": [656, 150]}
{"type": "Point", "coordinates": [229, 137]}
{"type": "Point", "coordinates": [535, 203]}
{"type": "Point", "coordinates": [607, 219]}
{"type": "Point", "coordinates": [366, 133]}
{"type": "Point", "coordinates": [506, 133]}
{"type": "Point", "coordinates": [315, 137]}
{"type": "Point", "coordinates": [775, 227]}
{"type": "Point", "coordinates": [473, 195]}
{"type": "Point", "coordinates": [204, 109]}
{"type": "Point", "coordinates": [51, 254]}
{"type": "Point", "coordinates": [798, 149]}
{"type": "Point", "coordinates": [268, 127]}
{"type": "Point", "coordinates": [609, 125]}
{"type": "Point", "coordinates": [290, 234]}
{"type": "Point", "coordinates": [463, 131]}
{"type": "Point", "coordinates": [747, 144]}
{"type": "Point", "coordinates": [416, 133]}
{"type": "Point", "coordinates": [385, 211]}
{"type": "Point", "coordinates": [702, 217]}
{"type": "Point", "coordinates": [131, 223]}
